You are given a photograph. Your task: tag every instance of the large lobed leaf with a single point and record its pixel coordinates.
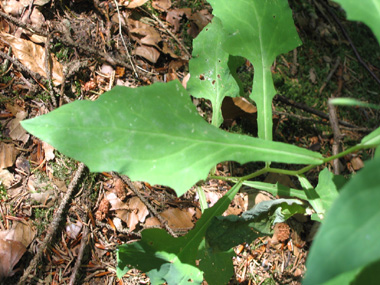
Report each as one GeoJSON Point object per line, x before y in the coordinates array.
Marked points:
{"type": "Point", "coordinates": [258, 31]}
{"type": "Point", "coordinates": [155, 134]}
{"type": "Point", "coordinates": [210, 76]}
{"type": "Point", "coordinates": [349, 237]}
{"type": "Point", "coordinates": [172, 260]}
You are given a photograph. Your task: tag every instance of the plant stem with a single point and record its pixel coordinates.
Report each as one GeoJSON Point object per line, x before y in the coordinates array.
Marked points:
{"type": "Point", "coordinates": [289, 172]}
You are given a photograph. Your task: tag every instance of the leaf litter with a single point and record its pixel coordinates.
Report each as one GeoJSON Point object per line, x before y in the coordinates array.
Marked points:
{"type": "Point", "coordinates": [116, 214]}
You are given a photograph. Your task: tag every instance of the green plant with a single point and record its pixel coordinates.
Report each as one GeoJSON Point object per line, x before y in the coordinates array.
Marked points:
{"type": "Point", "coordinates": [154, 133]}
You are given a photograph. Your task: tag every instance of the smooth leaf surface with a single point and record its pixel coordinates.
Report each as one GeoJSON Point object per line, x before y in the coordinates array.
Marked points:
{"type": "Point", "coordinates": [373, 139]}
{"type": "Point", "coordinates": [210, 75]}
{"type": "Point", "coordinates": [366, 11]}
{"type": "Point", "coordinates": [157, 249]}
{"type": "Point", "coordinates": [259, 31]}
{"type": "Point", "coordinates": [349, 236]}
{"type": "Point", "coordinates": [154, 134]}
{"type": "Point", "coordinates": [216, 265]}
{"type": "Point", "coordinates": [326, 189]}
{"type": "Point", "coordinates": [227, 232]}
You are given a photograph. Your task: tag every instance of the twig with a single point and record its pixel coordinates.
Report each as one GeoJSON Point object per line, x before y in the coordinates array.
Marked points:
{"type": "Point", "coordinates": [48, 67]}
{"type": "Point", "coordinates": [53, 226]}
{"type": "Point", "coordinates": [171, 34]}
{"type": "Point", "coordinates": [332, 71]}
{"type": "Point", "coordinates": [69, 42]}
{"type": "Point", "coordinates": [337, 138]}
{"type": "Point", "coordinates": [122, 39]}
{"type": "Point", "coordinates": [149, 206]}
{"type": "Point", "coordinates": [310, 110]}
{"type": "Point", "coordinates": [350, 41]}
{"type": "Point", "coordinates": [23, 68]}
{"type": "Point", "coordinates": [78, 262]}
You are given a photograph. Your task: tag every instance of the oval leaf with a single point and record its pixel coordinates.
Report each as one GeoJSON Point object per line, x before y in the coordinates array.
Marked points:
{"type": "Point", "coordinates": [155, 134]}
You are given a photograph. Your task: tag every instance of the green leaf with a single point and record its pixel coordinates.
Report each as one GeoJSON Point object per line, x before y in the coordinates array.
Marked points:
{"type": "Point", "coordinates": [276, 189]}
{"type": "Point", "coordinates": [258, 31]}
{"type": "Point", "coordinates": [210, 76]}
{"type": "Point", "coordinates": [226, 232]}
{"type": "Point", "coordinates": [373, 139]}
{"type": "Point", "coordinates": [216, 265]}
{"type": "Point", "coordinates": [326, 189]}
{"type": "Point", "coordinates": [349, 236]}
{"type": "Point", "coordinates": [352, 102]}
{"type": "Point", "coordinates": [155, 134]}
{"type": "Point", "coordinates": [158, 253]}
{"type": "Point", "coordinates": [234, 62]}
{"type": "Point", "coordinates": [366, 11]}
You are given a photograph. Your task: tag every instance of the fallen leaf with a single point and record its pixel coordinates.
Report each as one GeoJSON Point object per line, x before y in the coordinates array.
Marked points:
{"type": "Point", "coordinates": [357, 163]}
{"type": "Point", "coordinates": [8, 154]}
{"type": "Point", "coordinates": [14, 7]}
{"type": "Point", "coordinates": [175, 16]}
{"type": "Point", "coordinates": [133, 3]}
{"type": "Point", "coordinates": [149, 53]}
{"type": "Point", "coordinates": [6, 178]}
{"type": "Point", "coordinates": [74, 229]}
{"type": "Point", "coordinates": [33, 57]}
{"type": "Point", "coordinates": [20, 231]}
{"type": "Point", "coordinates": [178, 219]}
{"type": "Point", "coordinates": [313, 75]}
{"type": "Point", "coordinates": [16, 131]}
{"type": "Point", "coordinates": [162, 5]}
{"type": "Point", "coordinates": [49, 151]}
{"type": "Point", "coordinates": [147, 35]}
{"type": "Point", "coordinates": [10, 253]}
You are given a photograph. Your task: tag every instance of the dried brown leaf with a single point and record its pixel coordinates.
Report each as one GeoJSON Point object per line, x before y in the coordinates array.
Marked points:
{"type": "Point", "coordinates": [132, 3]}
{"type": "Point", "coordinates": [149, 53]}
{"type": "Point", "coordinates": [8, 154]}
{"type": "Point", "coordinates": [33, 57]}
{"type": "Point", "coordinates": [162, 5]}
{"type": "Point", "coordinates": [178, 219]}
{"type": "Point", "coordinates": [16, 131]}
{"type": "Point", "coordinates": [10, 253]}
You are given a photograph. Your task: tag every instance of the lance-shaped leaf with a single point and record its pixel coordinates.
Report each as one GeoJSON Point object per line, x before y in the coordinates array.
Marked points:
{"type": "Point", "coordinates": [210, 76]}
{"type": "Point", "coordinates": [366, 11]}
{"type": "Point", "coordinates": [154, 134]}
{"type": "Point", "coordinates": [259, 31]}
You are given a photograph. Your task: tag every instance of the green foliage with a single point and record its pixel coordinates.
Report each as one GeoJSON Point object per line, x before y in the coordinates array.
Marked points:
{"type": "Point", "coordinates": [366, 11]}
{"type": "Point", "coordinates": [210, 75]}
{"type": "Point", "coordinates": [154, 134]}
{"type": "Point", "coordinates": [175, 146]}
{"type": "Point", "coordinates": [227, 232]}
{"type": "Point", "coordinates": [348, 238]}
{"type": "Point", "coordinates": [158, 253]}
{"type": "Point", "coordinates": [260, 31]}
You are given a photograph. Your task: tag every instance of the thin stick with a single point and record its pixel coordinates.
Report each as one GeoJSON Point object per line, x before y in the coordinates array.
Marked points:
{"type": "Point", "coordinates": [309, 110]}
{"type": "Point", "coordinates": [53, 226]}
{"type": "Point", "coordinates": [351, 43]}
{"type": "Point", "coordinates": [122, 39]}
{"type": "Point", "coordinates": [149, 206]}
{"type": "Point", "coordinates": [172, 35]}
{"type": "Point", "coordinates": [337, 138]}
{"type": "Point", "coordinates": [48, 67]}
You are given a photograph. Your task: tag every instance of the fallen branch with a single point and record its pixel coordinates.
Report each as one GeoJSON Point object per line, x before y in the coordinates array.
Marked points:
{"type": "Point", "coordinates": [53, 226]}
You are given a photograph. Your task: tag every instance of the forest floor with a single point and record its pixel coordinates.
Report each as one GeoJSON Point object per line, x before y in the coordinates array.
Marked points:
{"type": "Point", "coordinates": [72, 219]}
